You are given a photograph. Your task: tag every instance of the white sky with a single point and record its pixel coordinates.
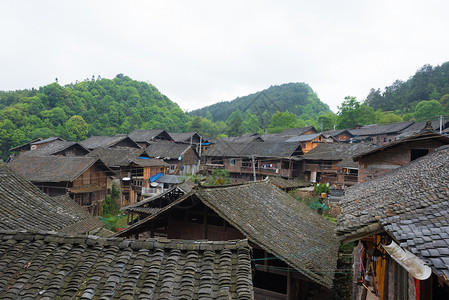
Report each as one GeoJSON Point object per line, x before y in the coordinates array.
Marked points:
{"type": "Point", "coordinates": [202, 52]}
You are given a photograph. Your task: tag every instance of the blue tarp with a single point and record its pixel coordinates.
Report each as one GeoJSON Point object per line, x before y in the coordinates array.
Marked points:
{"type": "Point", "coordinates": [143, 157]}
{"type": "Point", "coordinates": [156, 177]}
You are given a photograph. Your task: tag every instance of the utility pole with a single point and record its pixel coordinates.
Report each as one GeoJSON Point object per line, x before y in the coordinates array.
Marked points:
{"type": "Point", "coordinates": [441, 124]}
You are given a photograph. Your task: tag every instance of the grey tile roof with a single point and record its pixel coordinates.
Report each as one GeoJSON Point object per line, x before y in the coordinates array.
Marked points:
{"type": "Point", "coordinates": [244, 138]}
{"type": "Point", "coordinates": [336, 151]}
{"type": "Point", "coordinates": [144, 135]}
{"type": "Point", "coordinates": [49, 266]}
{"type": "Point", "coordinates": [274, 221]}
{"type": "Point", "coordinates": [279, 224]}
{"type": "Point", "coordinates": [24, 207]}
{"type": "Point", "coordinates": [47, 140]}
{"type": "Point", "coordinates": [424, 232]}
{"type": "Point", "coordinates": [375, 129]}
{"type": "Point", "coordinates": [121, 156]}
{"type": "Point", "coordinates": [258, 149]}
{"type": "Point", "coordinates": [163, 149]}
{"type": "Point", "coordinates": [297, 131]}
{"type": "Point", "coordinates": [303, 137]}
{"type": "Point", "coordinates": [56, 147]}
{"type": "Point", "coordinates": [421, 183]}
{"type": "Point", "coordinates": [426, 135]}
{"type": "Point", "coordinates": [184, 137]}
{"type": "Point", "coordinates": [335, 133]}
{"type": "Point", "coordinates": [106, 141]}
{"type": "Point", "coordinates": [53, 168]}
{"type": "Point", "coordinates": [418, 126]}
{"type": "Point", "coordinates": [274, 137]}
{"type": "Point", "coordinates": [288, 183]}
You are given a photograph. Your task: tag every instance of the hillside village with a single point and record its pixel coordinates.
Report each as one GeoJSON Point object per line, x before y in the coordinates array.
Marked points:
{"type": "Point", "coordinates": [222, 219]}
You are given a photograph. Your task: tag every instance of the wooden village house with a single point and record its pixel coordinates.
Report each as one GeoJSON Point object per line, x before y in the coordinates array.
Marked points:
{"type": "Point", "coordinates": [144, 137]}
{"type": "Point", "coordinates": [332, 163]}
{"type": "Point", "coordinates": [400, 223]}
{"type": "Point", "coordinates": [119, 140]}
{"type": "Point", "coordinates": [294, 248]}
{"type": "Point", "coordinates": [85, 179]}
{"type": "Point", "coordinates": [182, 159]}
{"type": "Point", "coordinates": [390, 156]}
{"type": "Point", "coordinates": [379, 134]}
{"type": "Point", "coordinates": [243, 160]}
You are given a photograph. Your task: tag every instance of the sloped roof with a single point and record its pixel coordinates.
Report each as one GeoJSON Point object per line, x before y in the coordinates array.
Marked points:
{"type": "Point", "coordinates": [416, 137]}
{"type": "Point", "coordinates": [167, 149]}
{"type": "Point", "coordinates": [288, 183]}
{"type": "Point", "coordinates": [47, 140]}
{"type": "Point", "coordinates": [303, 137]}
{"type": "Point", "coordinates": [23, 206]}
{"type": "Point", "coordinates": [279, 224]}
{"type": "Point", "coordinates": [424, 232]}
{"type": "Point", "coordinates": [106, 141]}
{"type": "Point", "coordinates": [244, 138]}
{"type": "Point", "coordinates": [375, 129]}
{"type": "Point", "coordinates": [53, 168]}
{"type": "Point", "coordinates": [274, 137]}
{"type": "Point", "coordinates": [54, 148]}
{"type": "Point", "coordinates": [419, 126]}
{"type": "Point", "coordinates": [258, 149]}
{"type": "Point", "coordinates": [120, 156]}
{"type": "Point", "coordinates": [297, 131]}
{"type": "Point", "coordinates": [336, 151]}
{"type": "Point", "coordinates": [334, 133]}
{"type": "Point", "coordinates": [270, 218]}
{"type": "Point", "coordinates": [145, 135]}
{"type": "Point", "coordinates": [25, 146]}
{"type": "Point", "coordinates": [184, 137]}
{"type": "Point", "coordinates": [59, 266]}
{"type": "Point", "coordinates": [419, 184]}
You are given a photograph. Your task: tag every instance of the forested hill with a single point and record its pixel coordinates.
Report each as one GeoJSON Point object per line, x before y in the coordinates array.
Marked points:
{"type": "Point", "coordinates": [91, 107]}
{"type": "Point", "coordinates": [297, 98]}
{"type": "Point", "coordinates": [428, 83]}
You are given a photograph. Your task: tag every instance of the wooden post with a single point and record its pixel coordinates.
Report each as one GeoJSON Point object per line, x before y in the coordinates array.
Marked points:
{"type": "Point", "coordinates": [289, 284]}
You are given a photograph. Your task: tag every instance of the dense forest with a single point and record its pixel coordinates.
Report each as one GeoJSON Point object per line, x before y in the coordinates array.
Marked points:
{"type": "Point", "coordinates": [427, 84]}
{"type": "Point", "coordinates": [91, 107]}
{"type": "Point", "coordinates": [297, 98]}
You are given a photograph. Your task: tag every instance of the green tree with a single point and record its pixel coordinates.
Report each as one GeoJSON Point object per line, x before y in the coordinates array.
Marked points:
{"type": "Point", "coordinates": [281, 121]}
{"type": "Point", "coordinates": [327, 121]}
{"type": "Point", "coordinates": [76, 128]}
{"type": "Point", "coordinates": [389, 118]}
{"type": "Point", "coordinates": [234, 123]}
{"type": "Point", "coordinates": [427, 110]}
{"type": "Point", "coordinates": [250, 123]}
{"type": "Point", "coordinates": [352, 113]}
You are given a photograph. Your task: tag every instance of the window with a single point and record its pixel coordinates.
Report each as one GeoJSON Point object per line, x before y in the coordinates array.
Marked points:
{"type": "Point", "coordinates": [417, 153]}
{"type": "Point", "coordinates": [233, 161]}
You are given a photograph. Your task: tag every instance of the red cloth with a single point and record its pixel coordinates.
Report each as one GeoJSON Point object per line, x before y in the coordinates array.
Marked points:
{"type": "Point", "coordinates": [417, 290]}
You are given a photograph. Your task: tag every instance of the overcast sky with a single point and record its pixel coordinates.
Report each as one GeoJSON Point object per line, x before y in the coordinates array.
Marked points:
{"type": "Point", "coordinates": [202, 52]}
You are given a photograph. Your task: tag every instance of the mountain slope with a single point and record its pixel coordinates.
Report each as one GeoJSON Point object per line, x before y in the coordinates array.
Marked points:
{"type": "Point", "coordinates": [428, 83]}
{"type": "Point", "coordinates": [107, 106]}
{"type": "Point", "coordinates": [297, 98]}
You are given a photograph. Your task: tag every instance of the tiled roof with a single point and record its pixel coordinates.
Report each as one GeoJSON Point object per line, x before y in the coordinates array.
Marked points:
{"type": "Point", "coordinates": [164, 149]}
{"type": "Point", "coordinates": [336, 151]}
{"type": "Point", "coordinates": [297, 131]}
{"type": "Point", "coordinates": [335, 133]}
{"type": "Point", "coordinates": [279, 224]}
{"type": "Point", "coordinates": [418, 126]}
{"type": "Point", "coordinates": [50, 266]}
{"type": "Point", "coordinates": [274, 137]}
{"type": "Point", "coordinates": [288, 183]}
{"type": "Point", "coordinates": [244, 138]}
{"type": "Point", "coordinates": [144, 135]}
{"type": "Point", "coordinates": [47, 140]}
{"type": "Point", "coordinates": [180, 137]}
{"type": "Point", "coordinates": [303, 137]}
{"type": "Point", "coordinates": [54, 148]}
{"type": "Point", "coordinates": [258, 149]}
{"type": "Point", "coordinates": [425, 135]}
{"type": "Point", "coordinates": [105, 141]}
{"type": "Point", "coordinates": [421, 183]}
{"type": "Point", "coordinates": [274, 221]}
{"type": "Point", "coordinates": [375, 129]}
{"type": "Point", "coordinates": [52, 168]}
{"type": "Point", "coordinates": [24, 207]}
{"type": "Point", "coordinates": [117, 157]}
{"type": "Point", "coordinates": [25, 146]}
{"type": "Point", "coordinates": [424, 232]}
